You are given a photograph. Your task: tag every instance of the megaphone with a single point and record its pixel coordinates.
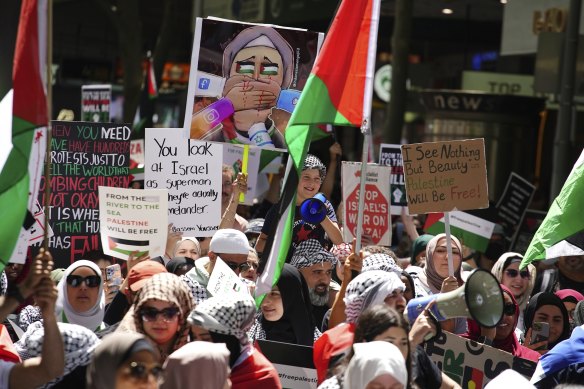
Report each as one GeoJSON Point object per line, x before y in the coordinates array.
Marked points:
{"type": "Point", "coordinates": [313, 210]}
{"type": "Point", "coordinates": [480, 298]}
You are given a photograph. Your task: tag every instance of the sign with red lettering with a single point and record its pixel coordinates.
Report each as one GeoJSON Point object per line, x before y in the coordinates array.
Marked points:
{"type": "Point", "coordinates": [471, 364]}
{"type": "Point", "coordinates": [376, 214]}
{"type": "Point", "coordinates": [445, 176]}
{"type": "Point", "coordinates": [84, 156]}
{"type": "Point", "coordinates": [133, 220]}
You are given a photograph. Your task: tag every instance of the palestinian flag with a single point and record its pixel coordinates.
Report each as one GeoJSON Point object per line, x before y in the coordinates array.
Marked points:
{"type": "Point", "coordinates": [128, 246]}
{"type": "Point", "coordinates": [338, 91]}
{"type": "Point", "coordinates": [23, 111]}
{"type": "Point", "coordinates": [564, 218]}
{"type": "Point", "coordinates": [473, 231]}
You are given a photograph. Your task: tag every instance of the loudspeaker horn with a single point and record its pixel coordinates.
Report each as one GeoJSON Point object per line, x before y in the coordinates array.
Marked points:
{"type": "Point", "coordinates": [313, 210]}
{"type": "Point", "coordinates": [480, 298]}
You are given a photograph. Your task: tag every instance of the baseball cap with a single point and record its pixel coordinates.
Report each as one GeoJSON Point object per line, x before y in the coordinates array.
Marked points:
{"type": "Point", "coordinates": [141, 272]}
{"type": "Point", "coordinates": [229, 241]}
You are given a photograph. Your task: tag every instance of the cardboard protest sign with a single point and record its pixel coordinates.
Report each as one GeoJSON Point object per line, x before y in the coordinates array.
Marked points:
{"type": "Point", "coordinates": [84, 156]}
{"type": "Point", "coordinates": [247, 80]}
{"type": "Point", "coordinates": [472, 365]}
{"type": "Point", "coordinates": [529, 226]}
{"type": "Point", "coordinates": [293, 362]}
{"type": "Point", "coordinates": [445, 176]}
{"type": "Point", "coordinates": [513, 203]}
{"type": "Point", "coordinates": [376, 216]}
{"type": "Point", "coordinates": [191, 171]}
{"type": "Point", "coordinates": [390, 155]}
{"type": "Point", "coordinates": [133, 220]}
{"type": "Point", "coordinates": [223, 280]}
{"type": "Point", "coordinates": [473, 231]}
{"type": "Point", "coordinates": [95, 103]}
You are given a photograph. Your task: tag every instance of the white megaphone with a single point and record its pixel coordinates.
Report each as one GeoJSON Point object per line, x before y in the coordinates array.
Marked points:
{"type": "Point", "coordinates": [480, 298]}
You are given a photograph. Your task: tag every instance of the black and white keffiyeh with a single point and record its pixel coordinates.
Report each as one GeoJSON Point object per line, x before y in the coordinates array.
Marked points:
{"type": "Point", "coordinates": [312, 162]}
{"type": "Point", "coordinates": [226, 314]}
{"type": "Point", "coordinates": [380, 262]}
{"type": "Point", "coordinates": [310, 252]}
{"type": "Point", "coordinates": [198, 291]}
{"type": "Point", "coordinates": [79, 344]}
{"type": "Point", "coordinates": [257, 331]}
{"type": "Point", "coordinates": [369, 289]}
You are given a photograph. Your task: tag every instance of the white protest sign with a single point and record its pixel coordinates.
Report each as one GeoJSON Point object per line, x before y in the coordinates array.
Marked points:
{"type": "Point", "coordinates": [191, 171]}
{"type": "Point", "coordinates": [35, 234]}
{"type": "Point", "coordinates": [376, 214]}
{"type": "Point", "coordinates": [133, 220]}
{"type": "Point", "coordinates": [223, 280]}
{"type": "Point", "coordinates": [233, 156]}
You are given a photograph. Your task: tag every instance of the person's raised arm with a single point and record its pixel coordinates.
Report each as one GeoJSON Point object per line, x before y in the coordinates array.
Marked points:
{"type": "Point", "coordinates": [16, 294]}
{"type": "Point", "coordinates": [332, 230]}
{"type": "Point", "coordinates": [239, 186]}
{"type": "Point", "coordinates": [328, 183]}
{"type": "Point", "coordinates": [353, 263]}
{"type": "Point", "coordinates": [37, 371]}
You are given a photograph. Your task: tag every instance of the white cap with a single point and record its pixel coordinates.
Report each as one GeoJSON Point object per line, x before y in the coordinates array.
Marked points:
{"type": "Point", "coordinates": [229, 241]}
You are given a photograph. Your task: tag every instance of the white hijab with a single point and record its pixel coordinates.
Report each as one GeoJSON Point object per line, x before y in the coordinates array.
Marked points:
{"type": "Point", "coordinates": [373, 359]}
{"type": "Point", "coordinates": [90, 319]}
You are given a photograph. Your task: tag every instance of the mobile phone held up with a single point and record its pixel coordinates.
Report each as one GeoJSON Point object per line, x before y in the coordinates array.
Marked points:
{"type": "Point", "coordinates": [113, 277]}
{"type": "Point", "coordinates": [540, 331]}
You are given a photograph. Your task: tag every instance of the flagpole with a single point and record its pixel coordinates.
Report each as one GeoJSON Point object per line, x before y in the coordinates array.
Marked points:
{"type": "Point", "coordinates": [47, 173]}
{"type": "Point", "coordinates": [366, 125]}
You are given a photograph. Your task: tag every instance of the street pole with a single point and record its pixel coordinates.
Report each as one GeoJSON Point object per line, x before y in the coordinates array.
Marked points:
{"type": "Point", "coordinates": [562, 164]}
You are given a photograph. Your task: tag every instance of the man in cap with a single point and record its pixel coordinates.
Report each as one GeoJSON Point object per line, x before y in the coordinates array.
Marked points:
{"type": "Point", "coordinates": [316, 265]}
{"type": "Point", "coordinates": [227, 319]}
{"type": "Point", "coordinates": [228, 244]}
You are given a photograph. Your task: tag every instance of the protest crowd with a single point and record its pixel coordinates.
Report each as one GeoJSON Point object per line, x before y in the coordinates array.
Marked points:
{"type": "Point", "coordinates": [189, 278]}
{"type": "Point", "coordinates": [162, 327]}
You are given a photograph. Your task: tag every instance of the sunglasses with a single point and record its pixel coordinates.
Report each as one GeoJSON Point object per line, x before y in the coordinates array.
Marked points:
{"type": "Point", "coordinates": [90, 281]}
{"type": "Point", "coordinates": [139, 371]}
{"type": "Point", "coordinates": [514, 273]}
{"type": "Point", "coordinates": [509, 309]}
{"type": "Point", "coordinates": [238, 266]}
{"type": "Point", "coordinates": [151, 314]}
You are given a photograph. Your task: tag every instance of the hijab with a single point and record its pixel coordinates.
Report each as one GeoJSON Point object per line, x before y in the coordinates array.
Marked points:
{"type": "Point", "coordinates": [177, 262]}
{"type": "Point", "coordinates": [503, 263]}
{"type": "Point", "coordinates": [296, 324]}
{"type": "Point", "coordinates": [510, 344]}
{"type": "Point", "coordinates": [430, 276]}
{"type": "Point", "coordinates": [372, 359]}
{"type": "Point", "coordinates": [166, 287]}
{"type": "Point", "coordinates": [110, 354]}
{"type": "Point", "coordinates": [202, 363]}
{"type": "Point", "coordinates": [90, 319]}
{"type": "Point", "coordinates": [369, 289]}
{"type": "Point", "coordinates": [539, 300]}
{"type": "Point", "coordinates": [419, 245]}
{"type": "Point", "coordinates": [579, 314]}
{"type": "Point", "coordinates": [569, 295]}
{"type": "Point", "coordinates": [194, 240]}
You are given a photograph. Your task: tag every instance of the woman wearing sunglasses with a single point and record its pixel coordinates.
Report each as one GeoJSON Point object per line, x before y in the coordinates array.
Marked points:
{"type": "Point", "coordinates": [503, 336]}
{"type": "Point", "coordinates": [124, 361]}
{"type": "Point", "coordinates": [519, 282]}
{"type": "Point", "coordinates": [160, 312]}
{"type": "Point", "coordinates": [81, 298]}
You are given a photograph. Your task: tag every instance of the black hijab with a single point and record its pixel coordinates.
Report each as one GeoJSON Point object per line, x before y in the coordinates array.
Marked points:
{"type": "Point", "coordinates": [545, 298]}
{"type": "Point", "coordinates": [296, 324]}
{"type": "Point", "coordinates": [177, 262]}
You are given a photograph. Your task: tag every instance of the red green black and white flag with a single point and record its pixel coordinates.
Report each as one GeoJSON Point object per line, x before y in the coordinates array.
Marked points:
{"type": "Point", "coordinates": [339, 92]}
{"type": "Point", "coordinates": [23, 121]}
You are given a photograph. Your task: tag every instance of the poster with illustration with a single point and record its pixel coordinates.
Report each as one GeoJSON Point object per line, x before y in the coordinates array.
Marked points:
{"type": "Point", "coordinates": [245, 80]}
